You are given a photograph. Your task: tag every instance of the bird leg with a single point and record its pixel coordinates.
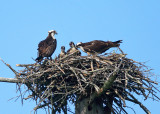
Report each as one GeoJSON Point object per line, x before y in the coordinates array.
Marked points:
{"type": "Point", "coordinates": [45, 62]}
{"type": "Point", "coordinates": [120, 50]}
{"type": "Point", "coordinates": [97, 64]}
{"type": "Point", "coordinates": [95, 56]}
{"type": "Point", "coordinates": [51, 58]}
{"type": "Point", "coordinates": [92, 68]}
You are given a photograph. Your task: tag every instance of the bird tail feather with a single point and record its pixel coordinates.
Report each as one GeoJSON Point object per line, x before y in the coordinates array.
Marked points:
{"type": "Point", "coordinates": [117, 43]}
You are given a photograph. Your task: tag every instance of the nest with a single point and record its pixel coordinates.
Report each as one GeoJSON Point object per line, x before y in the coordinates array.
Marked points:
{"type": "Point", "coordinates": [52, 83]}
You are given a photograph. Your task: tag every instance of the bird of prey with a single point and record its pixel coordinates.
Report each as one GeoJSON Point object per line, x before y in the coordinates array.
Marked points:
{"type": "Point", "coordinates": [63, 53]}
{"type": "Point", "coordinates": [47, 47]}
{"type": "Point", "coordinates": [96, 47]}
{"type": "Point", "coordinates": [73, 49]}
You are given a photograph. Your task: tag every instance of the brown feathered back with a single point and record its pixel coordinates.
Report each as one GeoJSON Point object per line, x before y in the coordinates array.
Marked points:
{"type": "Point", "coordinates": [98, 46]}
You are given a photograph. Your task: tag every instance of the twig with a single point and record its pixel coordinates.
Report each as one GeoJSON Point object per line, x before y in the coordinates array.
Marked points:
{"type": "Point", "coordinates": [26, 65]}
{"type": "Point", "coordinates": [124, 103]}
{"type": "Point", "coordinates": [16, 73]}
{"type": "Point", "coordinates": [140, 104]}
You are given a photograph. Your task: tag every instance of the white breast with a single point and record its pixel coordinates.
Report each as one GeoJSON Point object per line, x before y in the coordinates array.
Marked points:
{"type": "Point", "coordinates": [82, 48]}
{"type": "Point", "coordinates": [52, 35]}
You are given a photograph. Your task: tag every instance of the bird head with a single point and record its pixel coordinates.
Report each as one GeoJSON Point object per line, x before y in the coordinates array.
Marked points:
{"type": "Point", "coordinates": [52, 32]}
{"type": "Point", "coordinates": [78, 44]}
{"type": "Point", "coordinates": [72, 44]}
{"type": "Point", "coordinates": [62, 48]}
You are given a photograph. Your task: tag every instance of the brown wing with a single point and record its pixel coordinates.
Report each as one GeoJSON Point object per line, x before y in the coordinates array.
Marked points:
{"type": "Point", "coordinates": [46, 49]}
{"type": "Point", "coordinates": [41, 48]}
{"type": "Point", "coordinates": [99, 46]}
{"type": "Point", "coordinates": [88, 43]}
{"type": "Point", "coordinates": [51, 48]}
{"type": "Point", "coordinates": [94, 46]}
{"type": "Point", "coordinates": [107, 45]}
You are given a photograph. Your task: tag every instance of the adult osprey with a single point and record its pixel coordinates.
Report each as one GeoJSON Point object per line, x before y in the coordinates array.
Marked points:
{"type": "Point", "coordinates": [97, 46]}
{"type": "Point", "coordinates": [47, 47]}
{"type": "Point", "coordinates": [63, 53]}
{"type": "Point", "coordinates": [73, 49]}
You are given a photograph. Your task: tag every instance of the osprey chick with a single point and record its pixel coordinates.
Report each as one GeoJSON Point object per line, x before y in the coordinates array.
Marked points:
{"type": "Point", "coordinates": [63, 53]}
{"type": "Point", "coordinates": [73, 49]}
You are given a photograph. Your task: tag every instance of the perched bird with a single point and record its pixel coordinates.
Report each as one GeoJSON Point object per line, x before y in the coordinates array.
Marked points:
{"type": "Point", "coordinates": [73, 49]}
{"type": "Point", "coordinates": [96, 47]}
{"type": "Point", "coordinates": [63, 53]}
{"type": "Point", "coordinates": [47, 47]}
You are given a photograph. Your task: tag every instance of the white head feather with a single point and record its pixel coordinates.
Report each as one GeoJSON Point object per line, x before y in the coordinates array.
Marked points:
{"type": "Point", "coordinates": [53, 32]}
{"type": "Point", "coordinates": [78, 44]}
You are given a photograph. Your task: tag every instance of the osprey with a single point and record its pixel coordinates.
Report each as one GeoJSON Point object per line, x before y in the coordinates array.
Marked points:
{"type": "Point", "coordinates": [73, 49]}
{"type": "Point", "coordinates": [63, 53]}
{"type": "Point", "coordinates": [47, 47]}
{"type": "Point", "coordinates": [97, 46]}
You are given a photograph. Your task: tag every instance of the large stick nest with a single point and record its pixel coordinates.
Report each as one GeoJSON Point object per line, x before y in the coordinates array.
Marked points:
{"type": "Point", "coordinates": [52, 83]}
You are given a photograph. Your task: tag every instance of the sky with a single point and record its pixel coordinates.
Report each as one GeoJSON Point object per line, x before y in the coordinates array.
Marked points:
{"type": "Point", "coordinates": [23, 24]}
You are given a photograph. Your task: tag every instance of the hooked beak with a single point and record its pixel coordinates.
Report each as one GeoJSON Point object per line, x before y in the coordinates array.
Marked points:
{"type": "Point", "coordinates": [55, 32]}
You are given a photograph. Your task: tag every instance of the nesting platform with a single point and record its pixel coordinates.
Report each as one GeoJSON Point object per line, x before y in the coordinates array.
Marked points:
{"type": "Point", "coordinates": [52, 83]}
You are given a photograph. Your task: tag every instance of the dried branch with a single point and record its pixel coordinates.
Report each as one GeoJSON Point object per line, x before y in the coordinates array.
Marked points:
{"type": "Point", "coordinates": [10, 80]}
{"type": "Point", "coordinates": [140, 104]}
{"type": "Point", "coordinates": [16, 73]}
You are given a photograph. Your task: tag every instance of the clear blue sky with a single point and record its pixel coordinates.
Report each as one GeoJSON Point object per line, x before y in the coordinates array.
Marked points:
{"type": "Point", "coordinates": [24, 23]}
